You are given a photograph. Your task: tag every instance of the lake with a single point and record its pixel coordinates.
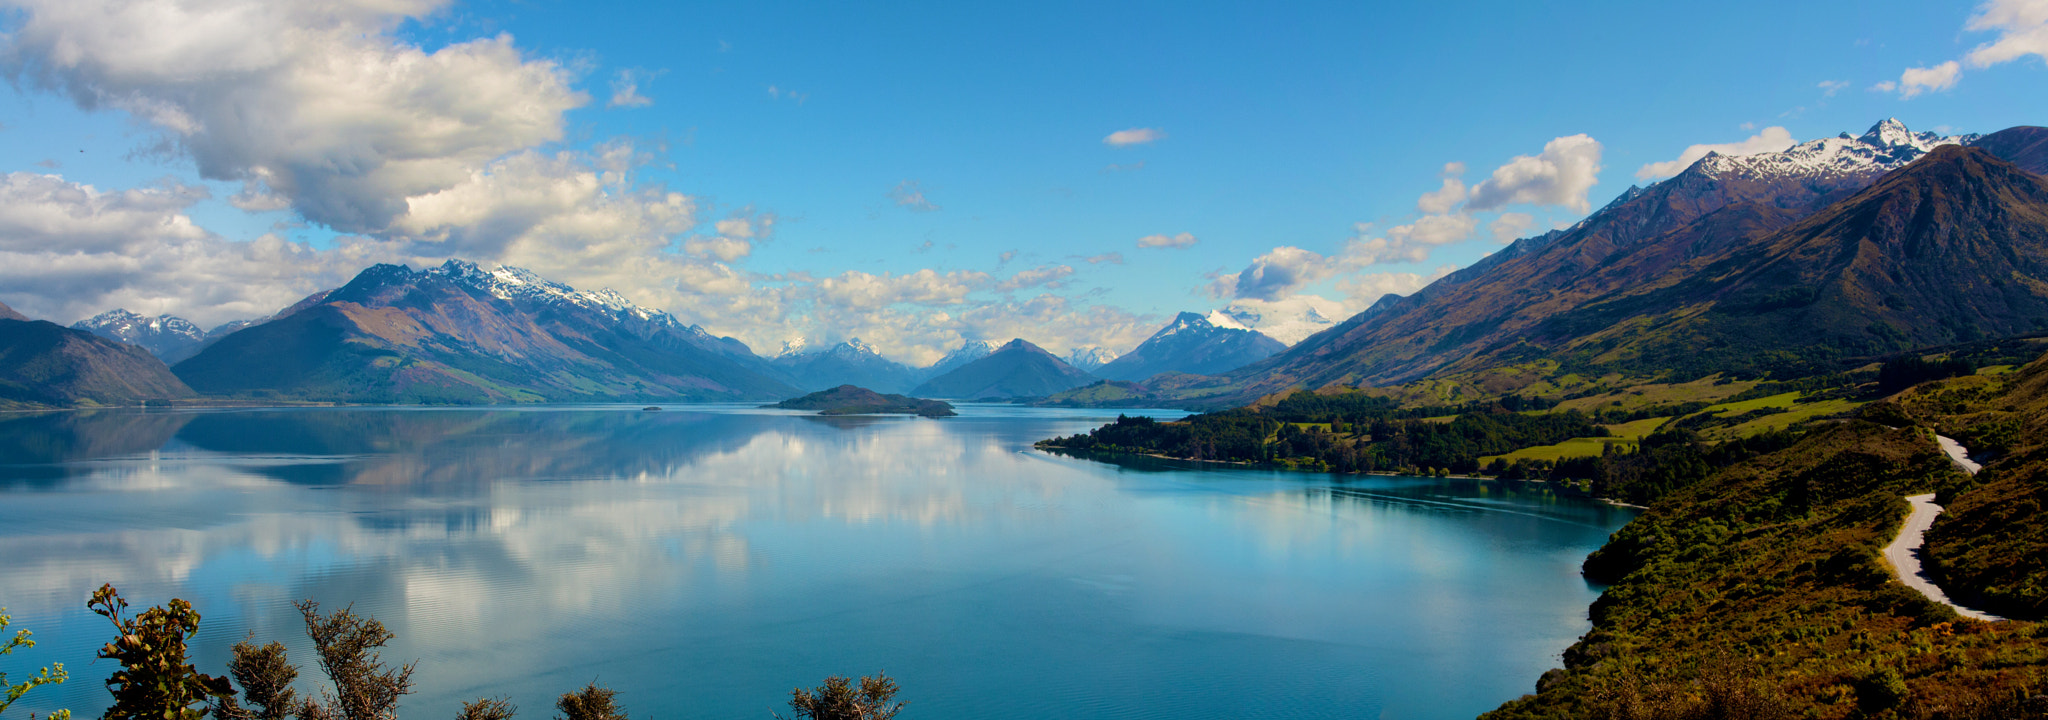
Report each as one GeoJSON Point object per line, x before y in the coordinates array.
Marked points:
{"type": "Point", "coordinates": [704, 560]}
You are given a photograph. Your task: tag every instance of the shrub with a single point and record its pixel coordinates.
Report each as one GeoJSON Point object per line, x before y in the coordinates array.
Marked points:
{"type": "Point", "coordinates": [593, 702]}
{"type": "Point", "coordinates": [838, 699]}
{"type": "Point", "coordinates": [365, 688]}
{"type": "Point", "coordinates": [155, 682]}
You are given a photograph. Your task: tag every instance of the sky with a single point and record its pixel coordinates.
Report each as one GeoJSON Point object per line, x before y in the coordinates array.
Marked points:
{"type": "Point", "coordinates": [913, 174]}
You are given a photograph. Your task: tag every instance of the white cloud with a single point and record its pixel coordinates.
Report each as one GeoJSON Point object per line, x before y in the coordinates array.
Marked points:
{"type": "Point", "coordinates": [626, 91]}
{"type": "Point", "coordinates": [1113, 258]}
{"type": "Point", "coordinates": [316, 103]}
{"type": "Point", "coordinates": [1277, 273]}
{"type": "Point", "coordinates": [1509, 226]}
{"type": "Point", "coordinates": [856, 289]}
{"type": "Point", "coordinates": [2022, 27]}
{"type": "Point", "coordinates": [1561, 176]}
{"type": "Point", "coordinates": [1443, 199]}
{"type": "Point", "coordinates": [1182, 240]}
{"type": "Point", "coordinates": [1133, 136]}
{"type": "Point", "coordinates": [1914, 81]}
{"type": "Point", "coordinates": [1771, 139]}
{"type": "Point", "coordinates": [1431, 230]}
{"type": "Point", "coordinates": [1046, 275]}
{"type": "Point", "coordinates": [908, 194]}
{"type": "Point", "coordinates": [69, 251]}
{"type": "Point", "coordinates": [1828, 88]}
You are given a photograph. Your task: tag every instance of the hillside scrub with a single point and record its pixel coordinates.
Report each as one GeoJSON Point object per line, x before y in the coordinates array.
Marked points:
{"type": "Point", "coordinates": [1759, 592]}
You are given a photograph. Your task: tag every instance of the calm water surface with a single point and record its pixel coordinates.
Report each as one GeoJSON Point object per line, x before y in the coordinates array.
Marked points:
{"type": "Point", "coordinates": [704, 560]}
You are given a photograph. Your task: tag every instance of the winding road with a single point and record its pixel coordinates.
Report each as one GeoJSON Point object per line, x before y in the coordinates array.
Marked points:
{"type": "Point", "coordinates": [1904, 552]}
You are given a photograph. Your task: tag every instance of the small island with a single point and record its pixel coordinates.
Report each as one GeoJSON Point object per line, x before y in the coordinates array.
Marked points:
{"type": "Point", "coordinates": [854, 400]}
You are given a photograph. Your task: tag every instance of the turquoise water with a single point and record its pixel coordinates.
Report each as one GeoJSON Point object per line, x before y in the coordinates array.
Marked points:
{"type": "Point", "coordinates": [704, 560]}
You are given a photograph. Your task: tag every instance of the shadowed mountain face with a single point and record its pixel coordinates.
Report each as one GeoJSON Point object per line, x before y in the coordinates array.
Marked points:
{"type": "Point", "coordinates": [1190, 344]}
{"type": "Point", "coordinates": [1704, 273]}
{"type": "Point", "coordinates": [2025, 146]}
{"type": "Point", "coordinates": [1017, 369]}
{"type": "Point", "coordinates": [461, 334]}
{"type": "Point", "coordinates": [42, 363]}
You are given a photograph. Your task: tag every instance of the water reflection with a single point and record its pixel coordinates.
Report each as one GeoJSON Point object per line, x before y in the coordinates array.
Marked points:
{"type": "Point", "coordinates": [705, 560]}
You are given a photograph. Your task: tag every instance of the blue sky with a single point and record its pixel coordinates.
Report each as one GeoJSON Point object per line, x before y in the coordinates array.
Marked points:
{"type": "Point", "coordinates": [917, 173]}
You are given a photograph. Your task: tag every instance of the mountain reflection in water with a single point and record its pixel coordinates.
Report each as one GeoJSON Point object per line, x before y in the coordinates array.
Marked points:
{"type": "Point", "coordinates": [703, 560]}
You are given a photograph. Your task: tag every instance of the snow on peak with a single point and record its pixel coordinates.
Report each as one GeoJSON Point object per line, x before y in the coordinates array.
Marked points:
{"type": "Point", "coordinates": [1090, 358]}
{"type": "Point", "coordinates": [1887, 146]}
{"type": "Point", "coordinates": [793, 346]}
{"type": "Point", "coordinates": [516, 283]}
{"type": "Point", "coordinates": [853, 348]}
{"type": "Point", "coordinates": [1219, 319]}
{"type": "Point", "coordinates": [130, 327]}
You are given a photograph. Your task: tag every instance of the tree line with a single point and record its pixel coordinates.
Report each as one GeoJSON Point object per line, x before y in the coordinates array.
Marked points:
{"type": "Point", "coordinates": [156, 680]}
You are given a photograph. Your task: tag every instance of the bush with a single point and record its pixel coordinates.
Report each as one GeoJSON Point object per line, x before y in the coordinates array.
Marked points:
{"type": "Point", "coordinates": [593, 702]}
{"type": "Point", "coordinates": [838, 699]}
{"type": "Point", "coordinates": [155, 682]}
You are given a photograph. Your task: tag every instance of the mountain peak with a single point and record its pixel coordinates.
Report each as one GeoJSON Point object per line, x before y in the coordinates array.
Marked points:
{"type": "Point", "coordinates": [162, 336]}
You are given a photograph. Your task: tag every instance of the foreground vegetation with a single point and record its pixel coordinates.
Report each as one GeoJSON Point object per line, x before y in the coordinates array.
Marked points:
{"type": "Point", "coordinates": [156, 681]}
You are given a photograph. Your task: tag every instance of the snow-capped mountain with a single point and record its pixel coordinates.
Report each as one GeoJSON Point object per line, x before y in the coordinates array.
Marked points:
{"type": "Point", "coordinates": [969, 352]}
{"type": "Point", "coordinates": [848, 363]}
{"type": "Point", "coordinates": [1193, 344]}
{"type": "Point", "coordinates": [165, 336]}
{"type": "Point", "coordinates": [1287, 320]}
{"type": "Point", "coordinates": [793, 346]}
{"type": "Point", "coordinates": [459, 333]}
{"type": "Point", "coordinates": [1887, 146]}
{"type": "Point", "coordinates": [1089, 358]}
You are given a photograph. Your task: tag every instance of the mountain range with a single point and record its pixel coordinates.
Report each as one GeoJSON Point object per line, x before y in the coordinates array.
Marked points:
{"type": "Point", "coordinates": [43, 363]}
{"type": "Point", "coordinates": [1781, 263]}
{"type": "Point", "coordinates": [459, 333]}
{"type": "Point", "coordinates": [1192, 344]}
{"type": "Point", "coordinates": [849, 363]}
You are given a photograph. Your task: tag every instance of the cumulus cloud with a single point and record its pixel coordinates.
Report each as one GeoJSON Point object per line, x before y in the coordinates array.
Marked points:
{"type": "Point", "coordinates": [2022, 27]}
{"type": "Point", "coordinates": [1561, 175]}
{"type": "Point", "coordinates": [69, 251]}
{"type": "Point", "coordinates": [1182, 240]}
{"type": "Point", "coordinates": [1510, 226]}
{"type": "Point", "coordinates": [316, 103]}
{"type": "Point", "coordinates": [1444, 199]}
{"type": "Point", "coordinates": [626, 91]}
{"type": "Point", "coordinates": [1771, 139]}
{"type": "Point", "coordinates": [908, 194]}
{"type": "Point", "coordinates": [1133, 136]}
{"type": "Point", "coordinates": [1915, 81]}
{"type": "Point", "coordinates": [1278, 272]}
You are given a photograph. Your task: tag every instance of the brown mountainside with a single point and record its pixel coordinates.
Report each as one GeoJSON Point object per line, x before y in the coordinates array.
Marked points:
{"type": "Point", "coordinates": [45, 364]}
{"type": "Point", "coordinates": [1699, 275]}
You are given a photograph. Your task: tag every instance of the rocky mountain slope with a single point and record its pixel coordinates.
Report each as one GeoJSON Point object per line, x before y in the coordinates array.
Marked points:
{"type": "Point", "coordinates": [459, 333]}
{"type": "Point", "coordinates": [1017, 369]}
{"type": "Point", "coordinates": [1731, 266]}
{"type": "Point", "coordinates": [46, 364]}
{"type": "Point", "coordinates": [1192, 344]}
